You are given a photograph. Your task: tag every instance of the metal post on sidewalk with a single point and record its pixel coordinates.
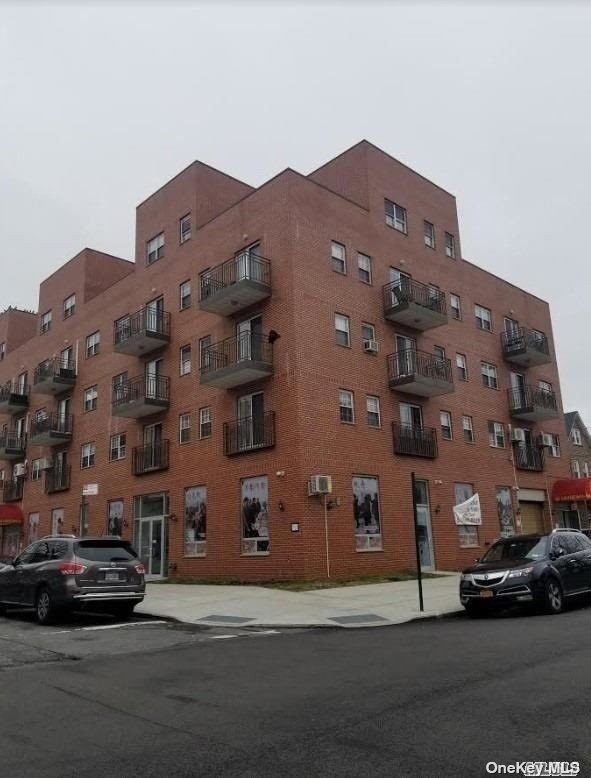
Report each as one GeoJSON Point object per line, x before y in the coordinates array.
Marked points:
{"type": "Point", "coordinates": [417, 548]}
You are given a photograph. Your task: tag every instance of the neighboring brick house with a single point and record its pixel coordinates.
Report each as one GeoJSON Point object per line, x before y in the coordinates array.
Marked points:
{"type": "Point", "coordinates": [318, 325]}
{"type": "Point", "coordinates": [579, 445]}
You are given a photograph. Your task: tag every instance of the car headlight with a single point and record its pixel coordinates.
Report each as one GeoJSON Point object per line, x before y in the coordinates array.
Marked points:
{"type": "Point", "coordinates": [521, 572]}
{"type": "Point", "coordinates": [466, 577]}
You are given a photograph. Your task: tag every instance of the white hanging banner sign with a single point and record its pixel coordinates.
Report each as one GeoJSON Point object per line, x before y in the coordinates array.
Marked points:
{"type": "Point", "coordinates": [468, 512]}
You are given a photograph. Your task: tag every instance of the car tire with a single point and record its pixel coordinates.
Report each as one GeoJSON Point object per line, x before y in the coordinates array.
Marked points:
{"type": "Point", "coordinates": [45, 610]}
{"type": "Point", "coordinates": [123, 610]}
{"type": "Point", "coordinates": [553, 596]}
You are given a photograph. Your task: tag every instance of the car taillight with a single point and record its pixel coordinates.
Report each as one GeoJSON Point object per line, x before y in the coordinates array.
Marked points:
{"type": "Point", "coordinates": [140, 569]}
{"type": "Point", "coordinates": [71, 568]}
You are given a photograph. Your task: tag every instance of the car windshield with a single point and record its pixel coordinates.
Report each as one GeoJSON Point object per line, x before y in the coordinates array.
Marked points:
{"type": "Point", "coordinates": [517, 548]}
{"type": "Point", "coordinates": [105, 550]}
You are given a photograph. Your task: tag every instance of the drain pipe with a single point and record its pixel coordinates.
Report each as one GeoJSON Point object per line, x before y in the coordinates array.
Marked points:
{"type": "Point", "coordinates": [325, 504]}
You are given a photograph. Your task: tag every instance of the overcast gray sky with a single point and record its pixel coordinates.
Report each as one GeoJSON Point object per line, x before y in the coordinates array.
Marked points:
{"type": "Point", "coordinates": [101, 104]}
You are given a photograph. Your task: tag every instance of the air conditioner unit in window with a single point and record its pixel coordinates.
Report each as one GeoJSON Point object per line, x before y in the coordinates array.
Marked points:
{"type": "Point", "coordinates": [370, 346]}
{"type": "Point", "coordinates": [20, 470]}
{"type": "Point", "coordinates": [46, 463]}
{"type": "Point", "coordinates": [546, 440]}
{"type": "Point", "coordinates": [518, 435]}
{"type": "Point", "coordinates": [320, 484]}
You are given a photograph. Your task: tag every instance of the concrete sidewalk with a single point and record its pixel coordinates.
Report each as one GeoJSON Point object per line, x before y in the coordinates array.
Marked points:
{"type": "Point", "coordinates": [369, 605]}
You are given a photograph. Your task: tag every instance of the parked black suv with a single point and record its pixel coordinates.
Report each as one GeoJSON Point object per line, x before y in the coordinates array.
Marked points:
{"type": "Point", "coordinates": [62, 573]}
{"type": "Point", "coordinates": [545, 568]}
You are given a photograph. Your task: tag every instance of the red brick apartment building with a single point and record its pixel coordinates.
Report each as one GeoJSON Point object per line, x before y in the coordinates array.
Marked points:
{"type": "Point", "coordinates": [320, 325]}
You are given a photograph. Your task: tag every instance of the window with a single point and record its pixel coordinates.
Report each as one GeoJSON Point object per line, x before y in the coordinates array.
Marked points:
{"type": "Point", "coordinates": [87, 452]}
{"type": "Point", "coordinates": [185, 295]}
{"type": "Point", "coordinates": [2, 477]}
{"type": "Point", "coordinates": [69, 306]}
{"type": "Point", "coordinates": [118, 447]}
{"type": "Point", "coordinates": [364, 268]}
{"type": "Point", "coordinates": [155, 249]}
{"type": "Point", "coordinates": [254, 502]}
{"type": "Point", "coordinates": [2, 350]}
{"type": "Point", "coordinates": [204, 422]}
{"type": "Point", "coordinates": [429, 234]}
{"type": "Point", "coordinates": [483, 318]}
{"type": "Point", "coordinates": [555, 447]}
{"type": "Point", "coordinates": [450, 245]}
{"type": "Point", "coordinates": [446, 428]}
{"type": "Point", "coordinates": [368, 332]}
{"type": "Point", "coordinates": [576, 468]}
{"type": "Point", "coordinates": [366, 513]}
{"type": "Point", "coordinates": [586, 469]}
{"type": "Point", "coordinates": [93, 344]}
{"type": "Point", "coordinates": [196, 521]}
{"type": "Point", "coordinates": [185, 228]}
{"type": "Point", "coordinates": [576, 437]}
{"type": "Point", "coordinates": [36, 470]}
{"type": "Point", "coordinates": [468, 534]}
{"type": "Point", "coordinates": [120, 386]}
{"type": "Point", "coordinates": [439, 352]}
{"type": "Point", "coordinates": [21, 383]}
{"type": "Point", "coordinates": [339, 257]}
{"type": "Point", "coordinates": [489, 375]}
{"type": "Point", "coordinates": [184, 428]}
{"type": "Point", "coordinates": [468, 427]}
{"type": "Point", "coordinates": [395, 216]}
{"type": "Point", "coordinates": [462, 366]}
{"type": "Point", "coordinates": [373, 411]}
{"type": "Point", "coordinates": [67, 357]}
{"type": "Point", "coordinates": [185, 359]}
{"type": "Point", "coordinates": [46, 321]}
{"type": "Point", "coordinates": [341, 324]}
{"type": "Point", "coordinates": [538, 337]}
{"type": "Point", "coordinates": [204, 344]}
{"type": "Point", "coordinates": [545, 386]}
{"type": "Point", "coordinates": [346, 409]}
{"type": "Point", "coordinates": [91, 398]}
{"type": "Point", "coordinates": [455, 304]}
{"type": "Point", "coordinates": [496, 434]}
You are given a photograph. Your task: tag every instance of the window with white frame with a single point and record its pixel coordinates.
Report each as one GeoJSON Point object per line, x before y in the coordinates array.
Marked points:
{"type": "Point", "coordinates": [46, 321]}
{"type": "Point", "coordinates": [468, 534]}
{"type": "Point", "coordinates": [342, 328]}
{"type": "Point", "coordinates": [118, 447]}
{"type": "Point", "coordinates": [2, 476]}
{"type": "Point", "coordinates": [373, 411]}
{"type": "Point", "coordinates": [496, 434]}
{"type": "Point", "coordinates": [205, 422]}
{"type": "Point", "coordinates": [69, 306]}
{"type": "Point", "coordinates": [36, 470]}
{"type": "Point", "coordinates": [185, 295]}
{"type": "Point", "coordinates": [2, 350]}
{"type": "Point", "coordinates": [545, 386]}
{"type": "Point", "coordinates": [489, 375]}
{"type": "Point", "coordinates": [483, 317]}
{"type": "Point", "coordinates": [204, 355]}
{"type": "Point", "coordinates": [450, 245]}
{"type": "Point", "coordinates": [555, 446]}
{"type": "Point", "coordinates": [368, 332]}
{"type": "Point", "coordinates": [468, 427]}
{"type": "Point", "coordinates": [429, 234]}
{"type": "Point", "coordinates": [185, 359]}
{"type": "Point", "coordinates": [462, 366]}
{"type": "Point", "coordinates": [439, 352]}
{"type": "Point", "coordinates": [346, 406]}
{"type": "Point", "coordinates": [91, 398]}
{"type": "Point", "coordinates": [185, 228]}
{"type": "Point", "coordinates": [155, 248]}
{"type": "Point", "coordinates": [338, 254]}
{"type": "Point", "coordinates": [87, 452]}
{"type": "Point", "coordinates": [395, 216]}
{"type": "Point", "coordinates": [184, 427]}
{"type": "Point", "coordinates": [446, 426]}
{"type": "Point", "coordinates": [576, 470]}
{"type": "Point", "coordinates": [455, 303]}
{"type": "Point", "coordinates": [364, 268]}
{"type": "Point", "coordinates": [576, 436]}
{"type": "Point", "coordinates": [93, 344]}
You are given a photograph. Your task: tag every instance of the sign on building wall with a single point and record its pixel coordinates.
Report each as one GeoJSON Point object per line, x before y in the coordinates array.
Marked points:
{"type": "Point", "coordinates": [505, 512]}
{"type": "Point", "coordinates": [468, 512]}
{"type": "Point", "coordinates": [196, 521]}
{"type": "Point", "coordinates": [366, 513]}
{"type": "Point", "coordinates": [254, 494]}
{"type": "Point", "coordinates": [57, 521]}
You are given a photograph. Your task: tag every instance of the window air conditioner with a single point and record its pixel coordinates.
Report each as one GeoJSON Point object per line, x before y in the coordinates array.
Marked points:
{"type": "Point", "coordinates": [518, 435]}
{"type": "Point", "coordinates": [46, 463]}
{"type": "Point", "coordinates": [20, 470]}
{"type": "Point", "coordinates": [546, 440]}
{"type": "Point", "coordinates": [320, 484]}
{"type": "Point", "coordinates": [370, 346]}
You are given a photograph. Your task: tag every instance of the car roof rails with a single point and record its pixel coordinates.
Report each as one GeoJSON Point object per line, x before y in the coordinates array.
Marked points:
{"type": "Point", "coordinates": [565, 529]}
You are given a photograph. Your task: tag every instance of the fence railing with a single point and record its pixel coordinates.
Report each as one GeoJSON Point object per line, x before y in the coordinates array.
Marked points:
{"type": "Point", "coordinates": [528, 457]}
{"type": "Point", "coordinates": [51, 422]}
{"type": "Point", "coordinates": [13, 388]}
{"type": "Point", "coordinates": [14, 441]}
{"type": "Point", "coordinates": [13, 490]}
{"type": "Point", "coordinates": [530, 397]}
{"type": "Point", "coordinates": [143, 387]}
{"type": "Point", "coordinates": [150, 457]}
{"type": "Point", "coordinates": [58, 479]}
{"type": "Point", "coordinates": [59, 367]}
{"type": "Point", "coordinates": [245, 266]}
{"type": "Point", "coordinates": [145, 321]}
{"type": "Point", "coordinates": [413, 362]}
{"type": "Point", "coordinates": [414, 441]}
{"type": "Point", "coordinates": [249, 433]}
{"type": "Point", "coordinates": [521, 338]}
{"type": "Point", "coordinates": [407, 290]}
{"type": "Point", "coordinates": [232, 351]}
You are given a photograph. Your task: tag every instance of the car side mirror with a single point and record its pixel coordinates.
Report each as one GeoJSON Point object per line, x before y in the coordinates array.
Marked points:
{"type": "Point", "coordinates": [477, 559]}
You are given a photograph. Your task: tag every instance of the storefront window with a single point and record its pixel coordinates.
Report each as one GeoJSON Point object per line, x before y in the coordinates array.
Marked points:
{"type": "Point", "coordinates": [366, 513]}
{"type": "Point", "coordinates": [195, 520]}
{"type": "Point", "coordinates": [33, 528]}
{"type": "Point", "coordinates": [505, 511]}
{"type": "Point", "coordinates": [254, 494]}
{"type": "Point", "coordinates": [115, 518]}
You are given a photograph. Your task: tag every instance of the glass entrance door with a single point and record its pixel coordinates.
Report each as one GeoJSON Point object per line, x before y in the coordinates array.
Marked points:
{"type": "Point", "coordinates": [424, 525]}
{"type": "Point", "coordinates": [150, 545]}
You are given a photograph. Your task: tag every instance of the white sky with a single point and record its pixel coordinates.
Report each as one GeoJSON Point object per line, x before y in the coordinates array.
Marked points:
{"type": "Point", "coordinates": [101, 104]}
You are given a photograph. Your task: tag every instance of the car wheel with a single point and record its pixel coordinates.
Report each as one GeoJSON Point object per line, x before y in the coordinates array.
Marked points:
{"type": "Point", "coordinates": [44, 608]}
{"type": "Point", "coordinates": [123, 610]}
{"type": "Point", "coordinates": [553, 596]}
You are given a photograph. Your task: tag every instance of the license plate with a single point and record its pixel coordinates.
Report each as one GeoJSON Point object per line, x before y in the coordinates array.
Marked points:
{"type": "Point", "coordinates": [487, 594]}
{"type": "Point", "coordinates": [111, 576]}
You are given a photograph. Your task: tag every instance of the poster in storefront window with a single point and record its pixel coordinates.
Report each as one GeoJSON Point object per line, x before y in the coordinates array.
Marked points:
{"type": "Point", "coordinates": [33, 533]}
{"type": "Point", "coordinates": [505, 511]}
{"type": "Point", "coordinates": [254, 493]}
{"type": "Point", "coordinates": [196, 521]}
{"type": "Point", "coordinates": [57, 521]}
{"type": "Point", "coordinates": [115, 518]}
{"type": "Point", "coordinates": [366, 513]}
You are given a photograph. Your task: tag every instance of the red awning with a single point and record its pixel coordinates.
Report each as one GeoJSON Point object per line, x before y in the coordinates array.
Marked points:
{"type": "Point", "coordinates": [571, 490]}
{"type": "Point", "coordinates": [10, 514]}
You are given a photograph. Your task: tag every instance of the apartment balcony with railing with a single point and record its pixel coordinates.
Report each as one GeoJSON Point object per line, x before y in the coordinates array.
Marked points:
{"type": "Point", "coordinates": [150, 457]}
{"type": "Point", "coordinates": [12, 491]}
{"type": "Point", "coordinates": [12, 445]}
{"type": "Point", "coordinates": [532, 403]}
{"type": "Point", "coordinates": [54, 376]}
{"type": "Point", "coordinates": [414, 305]}
{"type": "Point", "coordinates": [237, 361]}
{"type": "Point", "coordinates": [143, 395]}
{"type": "Point", "coordinates": [14, 398]}
{"type": "Point", "coordinates": [142, 332]}
{"type": "Point", "coordinates": [528, 457]}
{"type": "Point", "coordinates": [525, 347]}
{"type": "Point", "coordinates": [58, 479]}
{"type": "Point", "coordinates": [249, 434]}
{"type": "Point", "coordinates": [419, 373]}
{"type": "Point", "coordinates": [52, 429]}
{"type": "Point", "coordinates": [235, 284]}
{"type": "Point", "coordinates": [410, 440]}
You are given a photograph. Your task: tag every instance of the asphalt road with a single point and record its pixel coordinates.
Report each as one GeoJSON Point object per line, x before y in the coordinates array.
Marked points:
{"type": "Point", "coordinates": [435, 698]}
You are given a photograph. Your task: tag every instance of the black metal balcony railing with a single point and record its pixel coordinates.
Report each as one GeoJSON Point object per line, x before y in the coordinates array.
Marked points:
{"type": "Point", "coordinates": [410, 362]}
{"type": "Point", "coordinates": [414, 441]}
{"type": "Point", "coordinates": [13, 490]}
{"type": "Point", "coordinates": [249, 433]}
{"type": "Point", "coordinates": [12, 441]}
{"type": "Point", "coordinates": [143, 387]}
{"type": "Point", "coordinates": [152, 456]}
{"type": "Point", "coordinates": [520, 339]}
{"type": "Point", "coordinates": [58, 479]}
{"type": "Point", "coordinates": [51, 423]}
{"type": "Point", "coordinates": [407, 290]}
{"type": "Point", "coordinates": [528, 457]}
{"type": "Point", "coordinates": [231, 351]}
{"type": "Point", "coordinates": [60, 367]}
{"type": "Point", "coordinates": [145, 321]}
{"type": "Point", "coordinates": [246, 266]}
{"type": "Point", "coordinates": [13, 389]}
{"type": "Point", "coordinates": [526, 398]}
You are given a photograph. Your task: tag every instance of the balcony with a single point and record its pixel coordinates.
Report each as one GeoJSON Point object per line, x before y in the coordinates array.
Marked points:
{"type": "Point", "coordinates": [235, 284]}
{"type": "Point", "coordinates": [414, 305]}
{"type": "Point", "coordinates": [150, 458]}
{"type": "Point", "coordinates": [237, 361]}
{"type": "Point", "coordinates": [12, 491]}
{"type": "Point", "coordinates": [532, 403]}
{"type": "Point", "coordinates": [528, 458]}
{"type": "Point", "coordinates": [57, 480]}
{"type": "Point", "coordinates": [419, 373]}
{"type": "Point", "coordinates": [12, 445]}
{"type": "Point", "coordinates": [525, 347]}
{"type": "Point", "coordinates": [50, 430]}
{"type": "Point", "coordinates": [54, 376]}
{"type": "Point", "coordinates": [249, 434]}
{"type": "Point", "coordinates": [143, 395]}
{"type": "Point", "coordinates": [14, 398]}
{"type": "Point", "coordinates": [414, 441]}
{"type": "Point", "coordinates": [142, 332]}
